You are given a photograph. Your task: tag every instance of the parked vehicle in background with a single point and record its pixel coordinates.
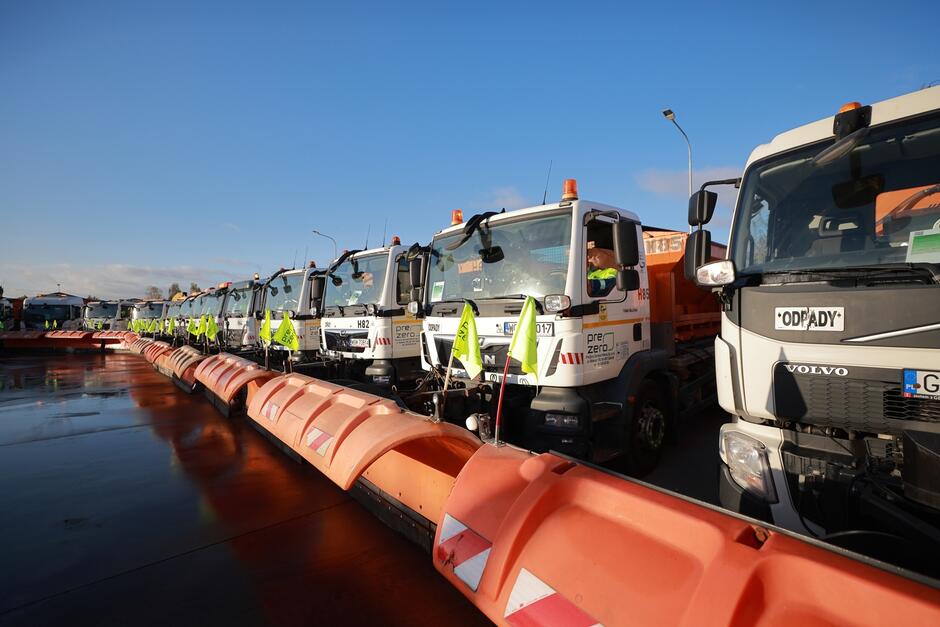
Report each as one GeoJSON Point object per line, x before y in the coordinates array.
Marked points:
{"type": "Point", "coordinates": [624, 341]}
{"type": "Point", "coordinates": [53, 310]}
{"type": "Point", "coordinates": [299, 292]}
{"type": "Point", "coordinates": [150, 310]}
{"type": "Point", "coordinates": [829, 354]}
{"type": "Point", "coordinates": [108, 315]}
{"type": "Point", "coordinates": [239, 315]}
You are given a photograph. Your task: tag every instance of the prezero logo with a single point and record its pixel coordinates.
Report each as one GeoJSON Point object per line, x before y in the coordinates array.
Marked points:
{"type": "Point", "coordinates": [828, 371]}
{"type": "Point", "coordinates": [809, 318]}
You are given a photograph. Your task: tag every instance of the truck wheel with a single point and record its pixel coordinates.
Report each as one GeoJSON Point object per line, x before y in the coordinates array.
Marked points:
{"type": "Point", "coordinates": [645, 430]}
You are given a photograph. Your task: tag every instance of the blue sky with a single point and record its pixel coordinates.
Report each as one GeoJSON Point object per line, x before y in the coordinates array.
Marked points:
{"type": "Point", "coordinates": [142, 143]}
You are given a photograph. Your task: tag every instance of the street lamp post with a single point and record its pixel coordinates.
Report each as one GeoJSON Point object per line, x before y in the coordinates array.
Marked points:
{"type": "Point", "coordinates": [316, 232]}
{"type": "Point", "coordinates": [671, 116]}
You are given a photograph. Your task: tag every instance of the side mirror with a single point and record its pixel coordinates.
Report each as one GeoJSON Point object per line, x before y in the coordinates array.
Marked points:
{"type": "Point", "coordinates": [626, 246]}
{"type": "Point", "coordinates": [416, 271]}
{"type": "Point", "coordinates": [702, 207]}
{"type": "Point", "coordinates": [628, 280]}
{"type": "Point", "coordinates": [697, 249]}
{"type": "Point", "coordinates": [414, 308]}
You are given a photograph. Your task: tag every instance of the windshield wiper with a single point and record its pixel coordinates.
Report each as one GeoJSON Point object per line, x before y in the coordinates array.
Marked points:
{"type": "Point", "coordinates": [924, 269]}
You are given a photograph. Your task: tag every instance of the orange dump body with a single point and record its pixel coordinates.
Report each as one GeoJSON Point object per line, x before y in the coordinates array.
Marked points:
{"type": "Point", "coordinates": [692, 312]}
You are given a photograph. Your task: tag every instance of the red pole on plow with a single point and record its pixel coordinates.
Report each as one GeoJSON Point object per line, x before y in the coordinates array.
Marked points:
{"type": "Point", "coordinates": [499, 403]}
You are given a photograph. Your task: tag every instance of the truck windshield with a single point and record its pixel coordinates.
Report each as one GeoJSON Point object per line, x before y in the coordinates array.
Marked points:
{"type": "Point", "coordinates": [238, 302]}
{"type": "Point", "coordinates": [360, 281]}
{"type": "Point", "coordinates": [283, 292]}
{"type": "Point", "coordinates": [212, 304]}
{"type": "Point", "coordinates": [40, 313]}
{"type": "Point", "coordinates": [528, 256]}
{"type": "Point", "coordinates": [101, 310]}
{"type": "Point", "coordinates": [877, 205]}
{"type": "Point", "coordinates": [149, 311]}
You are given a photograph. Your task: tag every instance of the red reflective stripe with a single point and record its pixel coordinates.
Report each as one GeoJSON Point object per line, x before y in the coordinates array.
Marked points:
{"type": "Point", "coordinates": [320, 439]}
{"type": "Point", "coordinates": [461, 547]}
{"type": "Point", "coordinates": [580, 356]}
{"type": "Point", "coordinates": [551, 610]}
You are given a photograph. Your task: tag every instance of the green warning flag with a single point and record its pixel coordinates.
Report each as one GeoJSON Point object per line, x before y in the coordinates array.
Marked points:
{"type": "Point", "coordinates": [212, 330]}
{"type": "Point", "coordinates": [191, 326]}
{"type": "Point", "coordinates": [46, 324]}
{"type": "Point", "coordinates": [154, 326]}
{"type": "Point", "coordinates": [265, 333]}
{"type": "Point", "coordinates": [100, 325]}
{"type": "Point", "coordinates": [285, 334]}
{"type": "Point", "coordinates": [172, 327]}
{"type": "Point", "coordinates": [466, 345]}
{"type": "Point", "coordinates": [201, 327]}
{"type": "Point", "coordinates": [524, 345]}
{"type": "Point", "coordinates": [1, 325]}
{"type": "Point", "coordinates": [55, 324]}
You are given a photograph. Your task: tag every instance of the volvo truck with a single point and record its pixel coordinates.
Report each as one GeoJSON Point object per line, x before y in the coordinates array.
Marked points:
{"type": "Point", "coordinates": [624, 341]}
{"type": "Point", "coordinates": [366, 329]}
{"type": "Point", "coordinates": [829, 352]}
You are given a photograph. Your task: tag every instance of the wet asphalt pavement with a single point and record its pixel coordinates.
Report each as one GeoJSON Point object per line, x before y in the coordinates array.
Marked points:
{"type": "Point", "coordinates": [126, 501]}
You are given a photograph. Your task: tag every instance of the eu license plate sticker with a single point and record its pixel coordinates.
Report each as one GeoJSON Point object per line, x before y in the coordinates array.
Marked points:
{"type": "Point", "coordinates": [542, 329]}
{"type": "Point", "coordinates": [921, 383]}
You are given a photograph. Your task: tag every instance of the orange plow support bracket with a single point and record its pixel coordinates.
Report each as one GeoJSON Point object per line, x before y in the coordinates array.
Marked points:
{"type": "Point", "coordinates": [541, 540]}
{"type": "Point", "coordinates": [348, 434]}
{"type": "Point", "coordinates": [225, 376]}
{"type": "Point", "coordinates": [155, 350]}
{"type": "Point", "coordinates": [180, 365]}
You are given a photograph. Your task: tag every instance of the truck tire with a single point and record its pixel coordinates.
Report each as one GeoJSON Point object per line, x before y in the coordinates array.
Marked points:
{"type": "Point", "coordinates": [645, 430]}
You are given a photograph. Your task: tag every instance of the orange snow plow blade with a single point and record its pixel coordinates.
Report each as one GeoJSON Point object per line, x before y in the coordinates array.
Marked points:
{"type": "Point", "coordinates": [225, 376]}
{"type": "Point", "coordinates": [180, 365]}
{"type": "Point", "coordinates": [140, 344]}
{"type": "Point", "coordinates": [351, 435]}
{"type": "Point", "coordinates": [543, 540]}
{"type": "Point", "coordinates": [20, 339]}
{"type": "Point", "coordinates": [155, 350]}
{"type": "Point", "coordinates": [118, 339]}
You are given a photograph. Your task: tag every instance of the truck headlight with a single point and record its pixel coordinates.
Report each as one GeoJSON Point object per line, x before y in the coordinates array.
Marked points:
{"type": "Point", "coordinates": [566, 421]}
{"type": "Point", "coordinates": [747, 461]}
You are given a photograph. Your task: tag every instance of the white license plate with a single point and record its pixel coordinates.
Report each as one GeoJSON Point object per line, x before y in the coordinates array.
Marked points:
{"type": "Point", "coordinates": [923, 383]}
{"type": "Point", "coordinates": [542, 329]}
{"type": "Point", "coordinates": [809, 318]}
{"type": "Point", "coordinates": [359, 342]}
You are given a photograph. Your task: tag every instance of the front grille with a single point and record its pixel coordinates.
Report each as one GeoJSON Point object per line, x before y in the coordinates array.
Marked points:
{"type": "Point", "coordinates": [861, 401]}
{"type": "Point", "coordinates": [340, 341]}
{"type": "Point", "coordinates": [494, 357]}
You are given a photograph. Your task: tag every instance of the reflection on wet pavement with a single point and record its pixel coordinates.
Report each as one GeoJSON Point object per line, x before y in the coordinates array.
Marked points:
{"type": "Point", "coordinates": [128, 502]}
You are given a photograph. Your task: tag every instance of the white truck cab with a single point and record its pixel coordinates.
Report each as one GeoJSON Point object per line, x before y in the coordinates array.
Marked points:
{"type": "Point", "coordinates": [298, 292]}
{"type": "Point", "coordinates": [829, 353]}
{"type": "Point", "coordinates": [109, 315]}
{"type": "Point", "coordinates": [57, 309]}
{"type": "Point", "coordinates": [365, 325]}
{"type": "Point", "coordinates": [240, 323]}
{"type": "Point", "coordinates": [150, 310]}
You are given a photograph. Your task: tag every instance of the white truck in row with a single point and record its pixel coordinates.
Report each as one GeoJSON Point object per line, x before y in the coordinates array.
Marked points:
{"type": "Point", "coordinates": [829, 352]}
{"type": "Point", "coordinates": [624, 342]}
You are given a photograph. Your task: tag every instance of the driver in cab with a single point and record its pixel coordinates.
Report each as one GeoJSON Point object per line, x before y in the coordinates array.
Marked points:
{"type": "Point", "coordinates": [601, 270]}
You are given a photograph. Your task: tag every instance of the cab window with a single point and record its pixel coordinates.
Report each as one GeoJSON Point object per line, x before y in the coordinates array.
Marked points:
{"type": "Point", "coordinates": [600, 263]}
